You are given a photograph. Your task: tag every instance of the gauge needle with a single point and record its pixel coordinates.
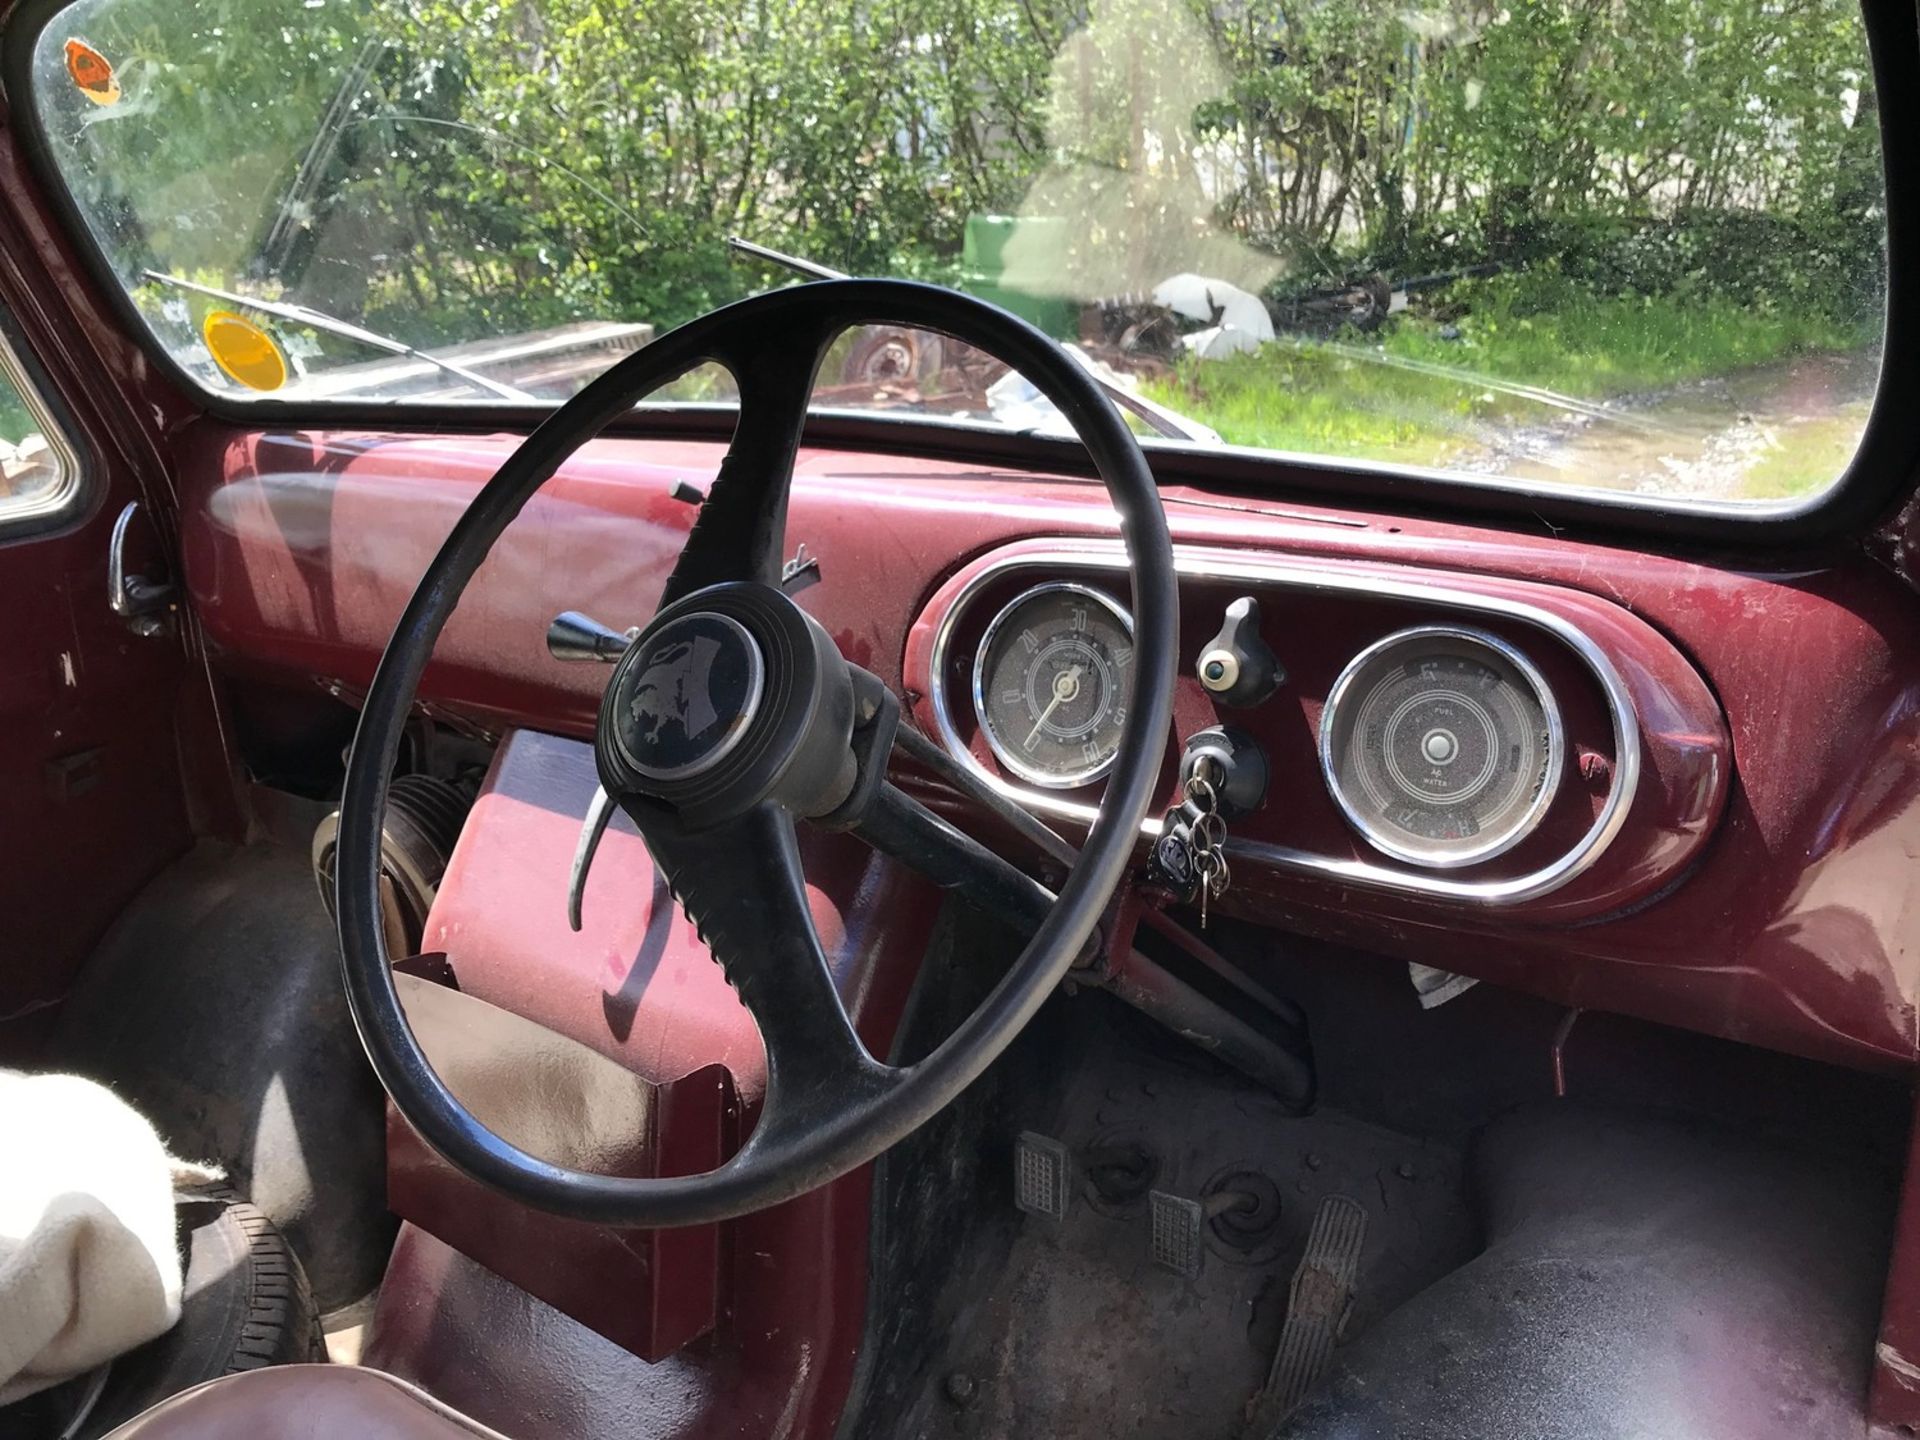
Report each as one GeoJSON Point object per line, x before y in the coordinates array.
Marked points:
{"type": "Point", "coordinates": [1066, 685]}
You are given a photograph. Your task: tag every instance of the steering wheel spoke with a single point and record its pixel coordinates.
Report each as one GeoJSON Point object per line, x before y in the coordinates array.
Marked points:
{"type": "Point", "coordinates": [741, 530]}
{"type": "Point", "coordinates": [741, 884]}
{"type": "Point", "coordinates": [899, 826]}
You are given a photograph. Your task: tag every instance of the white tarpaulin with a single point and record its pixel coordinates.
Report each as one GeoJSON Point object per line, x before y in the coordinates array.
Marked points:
{"type": "Point", "coordinates": [1236, 320]}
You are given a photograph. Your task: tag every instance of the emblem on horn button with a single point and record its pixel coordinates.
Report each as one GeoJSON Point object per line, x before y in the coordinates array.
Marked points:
{"type": "Point", "coordinates": [689, 695]}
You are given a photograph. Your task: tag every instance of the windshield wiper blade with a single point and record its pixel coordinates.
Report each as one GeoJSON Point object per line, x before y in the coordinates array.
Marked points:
{"type": "Point", "coordinates": [347, 330]}
{"type": "Point", "coordinates": [1167, 424]}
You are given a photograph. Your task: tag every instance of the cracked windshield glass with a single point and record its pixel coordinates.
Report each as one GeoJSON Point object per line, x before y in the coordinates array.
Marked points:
{"type": "Point", "coordinates": [1626, 244]}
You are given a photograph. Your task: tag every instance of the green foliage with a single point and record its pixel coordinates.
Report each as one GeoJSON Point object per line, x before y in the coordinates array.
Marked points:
{"type": "Point", "coordinates": [1678, 195]}
{"type": "Point", "coordinates": [1671, 185]}
{"type": "Point", "coordinates": [448, 170]}
{"type": "Point", "coordinates": [1128, 116]}
{"type": "Point", "coordinates": [220, 98]}
{"type": "Point", "coordinates": [596, 153]}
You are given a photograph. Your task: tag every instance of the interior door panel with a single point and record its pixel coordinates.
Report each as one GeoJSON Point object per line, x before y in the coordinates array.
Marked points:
{"type": "Point", "coordinates": [90, 796]}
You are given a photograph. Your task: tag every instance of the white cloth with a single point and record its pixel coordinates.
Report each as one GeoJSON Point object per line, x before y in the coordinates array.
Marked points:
{"type": "Point", "coordinates": [89, 1266]}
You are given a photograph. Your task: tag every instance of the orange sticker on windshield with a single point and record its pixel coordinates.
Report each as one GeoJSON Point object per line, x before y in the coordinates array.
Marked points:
{"type": "Point", "coordinates": [92, 72]}
{"type": "Point", "coordinates": [244, 351]}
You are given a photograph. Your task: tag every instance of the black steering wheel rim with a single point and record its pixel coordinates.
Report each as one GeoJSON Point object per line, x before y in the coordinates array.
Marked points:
{"type": "Point", "coordinates": [804, 1142]}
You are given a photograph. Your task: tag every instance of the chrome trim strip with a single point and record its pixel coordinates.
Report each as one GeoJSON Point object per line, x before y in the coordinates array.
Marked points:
{"type": "Point", "coordinates": [1086, 775]}
{"type": "Point", "coordinates": [1110, 557]}
{"type": "Point", "coordinates": [1536, 809]}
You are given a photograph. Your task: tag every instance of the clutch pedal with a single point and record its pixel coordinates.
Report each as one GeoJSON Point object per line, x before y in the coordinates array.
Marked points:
{"type": "Point", "coordinates": [1317, 1303]}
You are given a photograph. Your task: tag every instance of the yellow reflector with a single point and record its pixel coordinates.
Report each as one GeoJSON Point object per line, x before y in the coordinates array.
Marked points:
{"type": "Point", "coordinates": [92, 73]}
{"type": "Point", "coordinates": [244, 351]}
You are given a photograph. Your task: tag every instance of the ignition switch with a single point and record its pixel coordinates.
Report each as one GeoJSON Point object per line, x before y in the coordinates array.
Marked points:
{"type": "Point", "coordinates": [1236, 767]}
{"type": "Point", "coordinates": [1236, 666]}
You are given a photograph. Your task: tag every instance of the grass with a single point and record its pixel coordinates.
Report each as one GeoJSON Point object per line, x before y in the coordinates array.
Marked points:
{"type": "Point", "coordinates": [1433, 386]}
{"type": "Point", "coordinates": [1563, 337]}
{"type": "Point", "coordinates": [1813, 455]}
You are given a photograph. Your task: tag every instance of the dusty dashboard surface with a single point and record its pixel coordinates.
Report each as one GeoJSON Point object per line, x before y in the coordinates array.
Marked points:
{"type": "Point", "coordinates": [1652, 813]}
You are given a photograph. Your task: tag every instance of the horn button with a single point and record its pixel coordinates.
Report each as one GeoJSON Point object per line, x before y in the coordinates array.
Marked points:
{"type": "Point", "coordinates": [692, 695]}
{"type": "Point", "coordinates": [731, 697]}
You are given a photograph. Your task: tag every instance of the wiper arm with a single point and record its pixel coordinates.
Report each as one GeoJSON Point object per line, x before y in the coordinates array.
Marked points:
{"type": "Point", "coordinates": [1168, 424]}
{"type": "Point", "coordinates": [811, 269]}
{"type": "Point", "coordinates": [1461, 375]}
{"type": "Point", "coordinates": [347, 330]}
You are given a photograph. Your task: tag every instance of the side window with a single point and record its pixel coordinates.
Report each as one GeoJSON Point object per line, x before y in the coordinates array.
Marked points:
{"type": "Point", "coordinates": [38, 475]}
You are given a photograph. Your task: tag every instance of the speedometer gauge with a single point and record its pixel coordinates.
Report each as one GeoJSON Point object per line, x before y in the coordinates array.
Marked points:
{"type": "Point", "coordinates": [1442, 746]}
{"type": "Point", "coordinates": [1051, 683]}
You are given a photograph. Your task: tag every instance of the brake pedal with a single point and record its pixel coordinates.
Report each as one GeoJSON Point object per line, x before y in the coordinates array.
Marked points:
{"type": "Point", "coordinates": [1042, 1175]}
{"type": "Point", "coordinates": [1317, 1302]}
{"type": "Point", "coordinates": [1176, 1233]}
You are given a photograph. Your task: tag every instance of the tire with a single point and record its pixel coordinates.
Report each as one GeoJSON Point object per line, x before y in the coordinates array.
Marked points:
{"type": "Point", "coordinates": [244, 1304]}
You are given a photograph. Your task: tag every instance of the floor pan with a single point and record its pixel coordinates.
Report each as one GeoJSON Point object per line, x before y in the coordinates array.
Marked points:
{"type": "Point", "coordinates": [1087, 1336]}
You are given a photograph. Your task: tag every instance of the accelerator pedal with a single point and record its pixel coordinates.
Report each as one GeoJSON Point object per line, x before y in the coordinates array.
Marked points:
{"type": "Point", "coordinates": [1042, 1175]}
{"type": "Point", "coordinates": [1317, 1303]}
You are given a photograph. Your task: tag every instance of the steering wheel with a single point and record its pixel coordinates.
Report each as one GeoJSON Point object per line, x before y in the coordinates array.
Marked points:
{"type": "Point", "coordinates": [729, 718]}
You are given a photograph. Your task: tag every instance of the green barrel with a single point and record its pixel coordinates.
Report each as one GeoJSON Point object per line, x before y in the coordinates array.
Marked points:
{"type": "Point", "coordinates": [983, 269]}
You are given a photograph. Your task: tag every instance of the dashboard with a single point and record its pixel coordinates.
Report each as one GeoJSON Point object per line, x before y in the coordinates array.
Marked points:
{"type": "Point", "coordinates": [1627, 781]}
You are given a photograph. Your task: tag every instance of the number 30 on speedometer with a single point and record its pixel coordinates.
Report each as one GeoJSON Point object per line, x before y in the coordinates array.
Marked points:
{"type": "Point", "coordinates": [1051, 684]}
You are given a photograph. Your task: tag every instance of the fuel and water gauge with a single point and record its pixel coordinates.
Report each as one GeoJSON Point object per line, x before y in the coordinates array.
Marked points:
{"type": "Point", "coordinates": [1443, 745]}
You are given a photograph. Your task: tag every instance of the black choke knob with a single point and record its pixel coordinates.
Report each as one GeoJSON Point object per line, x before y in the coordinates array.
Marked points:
{"type": "Point", "coordinates": [1236, 666]}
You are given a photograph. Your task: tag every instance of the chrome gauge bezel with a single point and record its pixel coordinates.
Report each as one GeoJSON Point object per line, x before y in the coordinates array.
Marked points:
{"type": "Point", "coordinates": [1009, 761]}
{"type": "Point", "coordinates": [1291, 578]}
{"type": "Point", "coordinates": [1386, 842]}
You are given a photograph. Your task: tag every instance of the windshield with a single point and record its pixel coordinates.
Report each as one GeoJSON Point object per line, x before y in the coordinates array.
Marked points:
{"type": "Point", "coordinates": [1636, 246]}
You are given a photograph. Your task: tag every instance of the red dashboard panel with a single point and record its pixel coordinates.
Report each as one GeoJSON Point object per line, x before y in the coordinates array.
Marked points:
{"type": "Point", "coordinates": [1760, 886]}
